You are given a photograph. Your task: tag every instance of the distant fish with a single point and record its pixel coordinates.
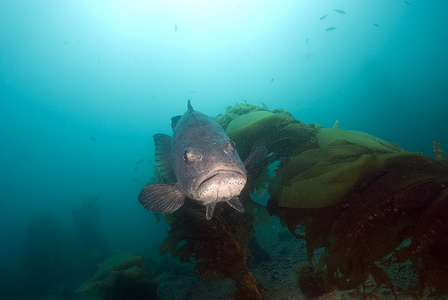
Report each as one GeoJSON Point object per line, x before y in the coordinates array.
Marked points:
{"type": "Point", "coordinates": [272, 80]}
{"type": "Point", "coordinates": [376, 25]}
{"type": "Point", "coordinates": [407, 3]}
{"type": "Point", "coordinates": [336, 124]}
{"type": "Point", "coordinates": [153, 97]}
{"type": "Point", "coordinates": [66, 42]}
{"type": "Point", "coordinates": [175, 27]}
{"type": "Point", "coordinates": [323, 17]}
{"type": "Point", "coordinates": [306, 41]}
{"type": "Point", "coordinates": [330, 28]}
{"type": "Point", "coordinates": [136, 168]}
{"type": "Point", "coordinates": [341, 11]}
{"type": "Point", "coordinates": [192, 92]}
{"type": "Point", "coordinates": [92, 138]}
{"type": "Point", "coordinates": [140, 161]}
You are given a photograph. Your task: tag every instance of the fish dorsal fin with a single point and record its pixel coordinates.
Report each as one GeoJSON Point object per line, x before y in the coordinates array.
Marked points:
{"type": "Point", "coordinates": [257, 156]}
{"type": "Point", "coordinates": [189, 105]}
{"type": "Point", "coordinates": [174, 121]}
{"type": "Point", "coordinates": [162, 144]}
{"type": "Point", "coordinates": [161, 198]}
{"type": "Point", "coordinates": [209, 208]}
{"type": "Point", "coordinates": [236, 204]}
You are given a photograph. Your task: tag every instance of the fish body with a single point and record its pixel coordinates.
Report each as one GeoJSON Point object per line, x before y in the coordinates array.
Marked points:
{"type": "Point", "coordinates": [199, 162]}
{"type": "Point", "coordinates": [340, 11]}
{"type": "Point", "coordinates": [330, 28]}
{"type": "Point", "coordinates": [323, 17]}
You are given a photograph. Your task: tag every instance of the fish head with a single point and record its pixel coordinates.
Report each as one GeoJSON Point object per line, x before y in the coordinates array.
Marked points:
{"type": "Point", "coordinates": [209, 168]}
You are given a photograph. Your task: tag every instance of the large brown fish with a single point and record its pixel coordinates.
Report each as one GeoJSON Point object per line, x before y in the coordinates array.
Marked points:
{"type": "Point", "coordinates": [199, 162]}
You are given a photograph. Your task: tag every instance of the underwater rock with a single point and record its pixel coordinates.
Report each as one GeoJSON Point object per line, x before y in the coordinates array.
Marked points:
{"type": "Point", "coordinates": [122, 277]}
{"type": "Point", "coordinates": [327, 136]}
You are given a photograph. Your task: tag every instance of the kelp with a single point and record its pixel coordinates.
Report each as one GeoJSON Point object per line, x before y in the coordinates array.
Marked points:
{"type": "Point", "coordinates": [373, 202]}
{"type": "Point", "coordinates": [218, 247]}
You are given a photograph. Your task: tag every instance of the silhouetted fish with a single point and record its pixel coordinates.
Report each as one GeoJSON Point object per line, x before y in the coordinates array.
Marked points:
{"type": "Point", "coordinates": [340, 11]}
{"type": "Point", "coordinates": [330, 28]}
{"type": "Point", "coordinates": [92, 138]}
{"type": "Point", "coordinates": [272, 80]}
{"type": "Point", "coordinates": [323, 17]}
{"type": "Point", "coordinates": [376, 25]}
{"type": "Point", "coordinates": [175, 27]}
{"type": "Point", "coordinates": [407, 3]}
{"type": "Point", "coordinates": [140, 161]}
{"type": "Point", "coordinates": [199, 162]}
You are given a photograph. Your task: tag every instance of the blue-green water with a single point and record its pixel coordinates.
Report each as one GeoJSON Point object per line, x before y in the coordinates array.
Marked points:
{"type": "Point", "coordinates": [85, 84]}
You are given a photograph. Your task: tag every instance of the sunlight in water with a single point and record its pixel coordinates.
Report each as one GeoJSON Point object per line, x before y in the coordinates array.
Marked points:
{"type": "Point", "coordinates": [200, 23]}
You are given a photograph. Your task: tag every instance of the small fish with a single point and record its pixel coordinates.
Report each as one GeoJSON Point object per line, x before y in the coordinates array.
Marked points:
{"type": "Point", "coordinates": [175, 27]}
{"type": "Point", "coordinates": [140, 161]}
{"type": "Point", "coordinates": [323, 17]}
{"type": "Point", "coordinates": [66, 42]}
{"type": "Point", "coordinates": [340, 11]}
{"type": "Point", "coordinates": [198, 162]}
{"type": "Point", "coordinates": [407, 3]}
{"type": "Point", "coordinates": [306, 41]}
{"type": "Point", "coordinates": [376, 25]}
{"type": "Point", "coordinates": [136, 168]}
{"type": "Point", "coordinates": [330, 28]}
{"type": "Point", "coordinates": [98, 60]}
{"type": "Point", "coordinates": [272, 80]}
{"type": "Point", "coordinates": [336, 124]}
{"type": "Point", "coordinates": [192, 92]}
{"type": "Point", "coordinates": [154, 98]}
{"type": "Point", "coordinates": [92, 138]}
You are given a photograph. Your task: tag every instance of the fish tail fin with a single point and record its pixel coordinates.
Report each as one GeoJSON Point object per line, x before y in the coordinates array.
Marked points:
{"type": "Point", "coordinates": [189, 105]}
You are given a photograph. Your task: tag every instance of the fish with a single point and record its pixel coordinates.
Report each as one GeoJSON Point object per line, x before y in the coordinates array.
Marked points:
{"type": "Point", "coordinates": [92, 138]}
{"type": "Point", "coordinates": [323, 17]}
{"type": "Point", "coordinates": [175, 27]}
{"type": "Point", "coordinates": [199, 162]}
{"type": "Point", "coordinates": [140, 161]}
{"type": "Point", "coordinates": [340, 11]}
{"type": "Point", "coordinates": [272, 80]}
{"type": "Point", "coordinates": [376, 25]}
{"type": "Point", "coordinates": [330, 28]}
{"type": "Point", "coordinates": [407, 3]}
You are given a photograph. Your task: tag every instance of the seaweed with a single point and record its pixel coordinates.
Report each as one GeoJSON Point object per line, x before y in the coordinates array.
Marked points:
{"type": "Point", "coordinates": [218, 247]}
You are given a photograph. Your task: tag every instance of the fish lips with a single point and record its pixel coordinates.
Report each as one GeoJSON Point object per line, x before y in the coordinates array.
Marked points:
{"type": "Point", "coordinates": [207, 177]}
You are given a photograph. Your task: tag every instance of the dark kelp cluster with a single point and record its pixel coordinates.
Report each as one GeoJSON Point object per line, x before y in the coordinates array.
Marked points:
{"type": "Point", "coordinates": [364, 203]}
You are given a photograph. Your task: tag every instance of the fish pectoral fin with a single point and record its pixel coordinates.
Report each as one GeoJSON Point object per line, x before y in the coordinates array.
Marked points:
{"type": "Point", "coordinates": [236, 204]}
{"type": "Point", "coordinates": [209, 208]}
{"type": "Point", "coordinates": [257, 156]}
{"type": "Point", "coordinates": [161, 198]}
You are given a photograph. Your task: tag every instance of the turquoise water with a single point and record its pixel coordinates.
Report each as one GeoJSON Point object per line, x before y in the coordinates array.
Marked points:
{"type": "Point", "coordinates": [85, 84]}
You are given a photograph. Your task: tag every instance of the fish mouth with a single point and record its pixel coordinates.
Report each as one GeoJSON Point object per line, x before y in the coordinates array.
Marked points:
{"type": "Point", "coordinates": [203, 180]}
